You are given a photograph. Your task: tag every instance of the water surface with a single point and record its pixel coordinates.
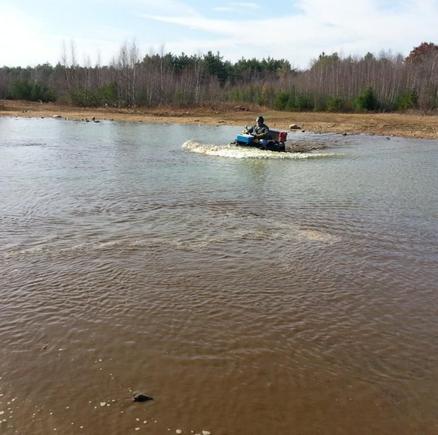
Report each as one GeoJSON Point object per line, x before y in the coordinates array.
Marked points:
{"type": "Point", "coordinates": [248, 294]}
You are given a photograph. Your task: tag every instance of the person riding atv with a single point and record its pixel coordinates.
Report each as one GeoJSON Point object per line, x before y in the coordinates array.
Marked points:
{"type": "Point", "coordinates": [260, 131]}
{"type": "Point", "coordinates": [260, 136]}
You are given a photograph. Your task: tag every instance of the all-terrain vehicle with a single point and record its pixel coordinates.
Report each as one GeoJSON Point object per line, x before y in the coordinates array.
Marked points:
{"type": "Point", "coordinates": [276, 141]}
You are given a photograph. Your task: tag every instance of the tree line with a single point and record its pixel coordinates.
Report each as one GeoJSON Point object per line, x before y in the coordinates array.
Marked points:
{"type": "Point", "coordinates": [331, 83]}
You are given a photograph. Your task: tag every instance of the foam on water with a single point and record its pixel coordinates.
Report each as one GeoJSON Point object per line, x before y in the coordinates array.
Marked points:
{"type": "Point", "coordinates": [260, 230]}
{"type": "Point", "coordinates": [236, 152]}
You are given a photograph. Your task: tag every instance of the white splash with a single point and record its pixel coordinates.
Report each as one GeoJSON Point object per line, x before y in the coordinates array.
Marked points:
{"type": "Point", "coordinates": [318, 236]}
{"type": "Point", "coordinates": [237, 152]}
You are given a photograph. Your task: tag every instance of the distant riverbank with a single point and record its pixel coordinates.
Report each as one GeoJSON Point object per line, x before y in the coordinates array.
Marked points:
{"type": "Point", "coordinates": [386, 124]}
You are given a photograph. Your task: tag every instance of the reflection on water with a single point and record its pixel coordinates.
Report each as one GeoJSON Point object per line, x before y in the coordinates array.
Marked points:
{"type": "Point", "coordinates": [246, 295]}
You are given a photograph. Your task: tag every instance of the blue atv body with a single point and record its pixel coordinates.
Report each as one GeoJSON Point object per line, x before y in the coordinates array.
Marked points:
{"type": "Point", "coordinates": [275, 141]}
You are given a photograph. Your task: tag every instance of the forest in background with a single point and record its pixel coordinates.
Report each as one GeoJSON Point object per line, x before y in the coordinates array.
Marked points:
{"type": "Point", "coordinates": [332, 83]}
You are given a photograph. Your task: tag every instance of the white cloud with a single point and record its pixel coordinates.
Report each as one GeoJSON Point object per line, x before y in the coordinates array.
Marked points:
{"type": "Point", "coordinates": [175, 6]}
{"type": "Point", "coordinates": [341, 25]}
{"type": "Point", "coordinates": [245, 5]}
{"type": "Point", "coordinates": [21, 37]}
{"type": "Point", "coordinates": [298, 33]}
{"type": "Point", "coordinates": [178, 7]}
{"type": "Point", "coordinates": [224, 9]}
{"type": "Point", "coordinates": [238, 7]}
{"type": "Point", "coordinates": [26, 41]}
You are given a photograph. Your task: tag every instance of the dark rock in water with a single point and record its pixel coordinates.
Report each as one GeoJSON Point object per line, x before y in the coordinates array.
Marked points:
{"type": "Point", "coordinates": [344, 134]}
{"type": "Point", "coordinates": [294, 127]}
{"type": "Point", "coordinates": [140, 397]}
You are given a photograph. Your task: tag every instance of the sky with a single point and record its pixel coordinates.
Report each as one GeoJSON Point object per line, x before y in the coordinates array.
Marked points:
{"type": "Point", "coordinates": [33, 32]}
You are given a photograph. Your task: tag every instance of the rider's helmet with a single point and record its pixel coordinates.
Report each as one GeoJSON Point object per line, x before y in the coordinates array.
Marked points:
{"type": "Point", "coordinates": [260, 120]}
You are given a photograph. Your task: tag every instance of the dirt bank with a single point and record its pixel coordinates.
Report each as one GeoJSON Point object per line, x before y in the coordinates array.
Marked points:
{"type": "Point", "coordinates": [388, 124]}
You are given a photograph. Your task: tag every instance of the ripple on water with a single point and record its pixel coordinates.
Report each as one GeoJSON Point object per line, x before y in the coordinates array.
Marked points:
{"type": "Point", "coordinates": [240, 296]}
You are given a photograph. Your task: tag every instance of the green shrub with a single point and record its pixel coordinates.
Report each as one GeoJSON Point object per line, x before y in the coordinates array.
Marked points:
{"type": "Point", "coordinates": [20, 90]}
{"type": "Point", "coordinates": [281, 100]}
{"type": "Point", "coordinates": [83, 98]}
{"type": "Point", "coordinates": [24, 90]}
{"type": "Point", "coordinates": [304, 102]}
{"type": "Point", "coordinates": [108, 94]}
{"type": "Point", "coordinates": [105, 95]}
{"type": "Point", "coordinates": [319, 103]}
{"type": "Point", "coordinates": [335, 104]}
{"type": "Point", "coordinates": [268, 96]}
{"type": "Point", "coordinates": [260, 99]}
{"type": "Point", "coordinates": [290, 101]}
{"type": "Point", "coordinates": [366, 101]}
{"type": "Point", "coordinates": [406, 100]}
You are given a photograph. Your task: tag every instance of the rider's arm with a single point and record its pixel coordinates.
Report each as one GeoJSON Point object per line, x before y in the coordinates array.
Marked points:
{"type": "Point", "coordinates": [262, 132]}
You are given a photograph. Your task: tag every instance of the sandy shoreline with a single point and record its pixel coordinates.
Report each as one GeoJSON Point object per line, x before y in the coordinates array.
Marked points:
{"type": "Point", "coordinates": [387, 124]}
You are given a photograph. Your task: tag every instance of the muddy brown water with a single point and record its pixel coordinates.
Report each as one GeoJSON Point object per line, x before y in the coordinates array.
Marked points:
{"type": "Point", "coordinates": [248, 294]}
